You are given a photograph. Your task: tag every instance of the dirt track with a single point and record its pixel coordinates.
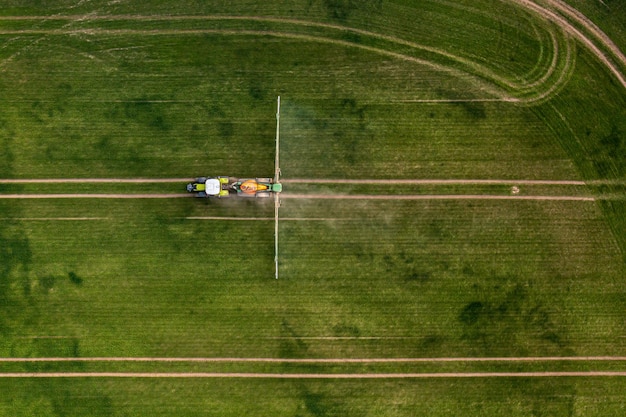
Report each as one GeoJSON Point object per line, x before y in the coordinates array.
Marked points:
{"type": "Point", "coordinates": [327, 196]}
{"type": "Point", "coordinates": [55, 218]}
{"type": "Point", "coordinates": [433, 181]}
{"type": "Point", "coordinates": [589, 27]}
{"type": "Point", "coordinates": [265, 218]}
{"type": "Point", "coordinates": [111, 196]}
{"type": "Point", "coordinates": [93, 180]}
{"type": "Point", "coordinates": [435, 197]}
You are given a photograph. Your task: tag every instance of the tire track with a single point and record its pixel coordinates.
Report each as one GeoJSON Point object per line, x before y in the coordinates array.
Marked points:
{"type": "Point", "coordinates": [491, 87]}
{"type": "Point", "coordinates": [565, 24]}
{"type": "Point", "coordinates": [185, 218]}
{"type": "Point", "coordinates": [432, 181]}
{"type": "Point", "coordinates": [265, 218]}
{"type": "Point", "coordinates": [435, 197]}
{"type": "Point", "coordinates": [107, 196]}
{"type": "Point", "coordinates": [544, 13]}
{"type": "Point", "coordinates": [471, 67]}
{"type": "Point", "coordinates": [92, 180]}
{"type": "Point", "coordinates": [591, 27]}
{"type": "Point", "coordinates": [287, 195]}
{"type": "Point", "coordinates": [54, 218]}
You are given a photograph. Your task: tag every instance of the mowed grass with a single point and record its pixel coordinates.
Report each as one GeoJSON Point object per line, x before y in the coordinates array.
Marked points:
{"type": "Point", "coordinates": [371, 278]}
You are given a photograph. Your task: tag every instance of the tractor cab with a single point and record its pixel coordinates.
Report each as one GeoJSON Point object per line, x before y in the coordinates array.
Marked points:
{"type": "Point", "coordinates": [209, 187]}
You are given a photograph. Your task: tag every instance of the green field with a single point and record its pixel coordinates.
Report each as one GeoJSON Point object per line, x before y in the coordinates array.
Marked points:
{"type": "Point", "coordinates": [377, 89]}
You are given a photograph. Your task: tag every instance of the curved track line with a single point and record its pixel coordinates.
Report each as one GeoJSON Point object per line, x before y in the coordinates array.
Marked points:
{"type": "Point", "coordinates": [473, 67]}
{"type": "Point", "coordinates": [535, 72]}
{"type": "Point", "coordinates": [481, 70]}
{"type": "Point", "coordinates": [476, 68]}
{"type": "Point", "coordinates": [296, 22]}
{"type": "Point", "coordinates": [591, 27]}
{"type": "Point", "coordinates": [530, 92]}
{"type": "Point", "coordinates": [580, 36]}
{"type": "Point", "coordinates": [492, 88]}
{"type": "Point", "coordinates": [311, 375]}
{"type": "Point", "coordinates": [564, 74]}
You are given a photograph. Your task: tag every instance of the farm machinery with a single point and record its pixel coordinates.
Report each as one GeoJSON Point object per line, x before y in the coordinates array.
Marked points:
{"type": "Point", "coordinates": [230, 186]}
{"type": "Point", "coordinates": [223, 186]}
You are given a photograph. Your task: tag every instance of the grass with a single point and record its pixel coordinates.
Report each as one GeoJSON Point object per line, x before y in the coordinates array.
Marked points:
{"type": "Point", "coordinates": [386, 279]}
{"type": "Point", "coordinates": [146, 255]}
{"type": "Point", "coordinates": [307, 398]}
{"type": "Point", "coordinates": [417, 140]}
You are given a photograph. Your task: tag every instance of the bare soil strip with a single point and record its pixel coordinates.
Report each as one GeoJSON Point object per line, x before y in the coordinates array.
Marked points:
{"type": "Point", "coordinates": [311, 375]}
{"type": "Point", "coordinates": [589, 26]}
{"type": "Point", "coordinates": [265, 218]}
{"type": "Point", "coordinates": [432, 181]}
{"type": "Point", "coordinates": [344, 337]}
{"type": "Point", "coordinates": [112, 196]}
{"type": "Point", "coordinates": [186, 218]}
{"type": "Point", "coordinates": [54, 218]}
{"type": "Point", "coordinates": [435, 197]}
{"type": "Point", "coordinates": [92, 180]}
{"type": "Point", "coordinates": [325, 360]}
{"type": "Point", "coordinates": [228, 218]}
